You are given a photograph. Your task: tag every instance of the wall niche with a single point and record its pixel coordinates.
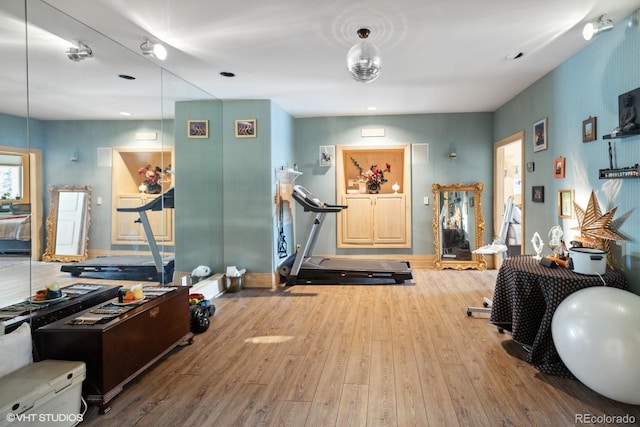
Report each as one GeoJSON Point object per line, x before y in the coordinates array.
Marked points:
{"type": "Point", "coordinates": [380, 220]}
{"type": "Point", "coordinates": [126, 193]}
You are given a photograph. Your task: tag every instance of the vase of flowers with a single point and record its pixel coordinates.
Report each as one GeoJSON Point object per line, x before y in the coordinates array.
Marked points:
{"type": "Point", "coordinates": [153, 178]}
{"type": "Point", "coordinates": [374, 177]}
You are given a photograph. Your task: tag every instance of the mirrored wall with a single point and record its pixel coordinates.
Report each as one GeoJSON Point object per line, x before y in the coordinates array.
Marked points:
{"type": "Point", "coordinates": [72, 102]}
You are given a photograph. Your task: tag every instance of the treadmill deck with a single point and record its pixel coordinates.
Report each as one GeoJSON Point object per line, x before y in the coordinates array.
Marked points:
{"type": "Point", "coordinates": [322, 271]}
{"type": "Point", "coordinates": [137, 267]}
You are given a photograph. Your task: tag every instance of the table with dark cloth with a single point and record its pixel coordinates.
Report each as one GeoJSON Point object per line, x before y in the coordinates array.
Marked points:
{"type": "Point", "coordinates": [527, 295]}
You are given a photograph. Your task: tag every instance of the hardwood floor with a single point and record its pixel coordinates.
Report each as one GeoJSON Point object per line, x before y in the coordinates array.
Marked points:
{"type": "Point", "coordinates": [395, 355]}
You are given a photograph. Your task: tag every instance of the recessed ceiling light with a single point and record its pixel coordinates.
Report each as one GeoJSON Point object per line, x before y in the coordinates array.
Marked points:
{"type": "Point", "coordinates": [516, 55]}
{"type": "Point", "coordinates": [126, 77]}
{"type": "Point", "coordinates": [124, 113]}
{"type": "Point", "coordinates": [371, 108]}
{"type": "Point", "coordinates": [227, 74]}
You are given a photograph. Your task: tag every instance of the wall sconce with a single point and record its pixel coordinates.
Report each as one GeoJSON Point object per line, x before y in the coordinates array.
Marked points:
{"type": "Point", "coordinates": [596, 27]}
{"type": "Point", "coordinates": [77, 54]}
{"type": "Point", "coordinates": [452, 152]}
{"type": "Point", "coordinates": [155, 50]}
{"type": "Point", "coordinates": [74, 158]}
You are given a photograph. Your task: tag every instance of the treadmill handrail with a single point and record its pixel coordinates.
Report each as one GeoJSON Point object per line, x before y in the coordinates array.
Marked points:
{"type": "Point", "coordinates": [310, 203]}
{"type": "Point", "coordinates": [157, 204]}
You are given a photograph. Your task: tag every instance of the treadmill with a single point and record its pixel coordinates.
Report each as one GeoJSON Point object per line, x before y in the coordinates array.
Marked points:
{"type": "Point", "coordinates": [133, 267]}
{"type": "Point", "coordinates": [304, 268]}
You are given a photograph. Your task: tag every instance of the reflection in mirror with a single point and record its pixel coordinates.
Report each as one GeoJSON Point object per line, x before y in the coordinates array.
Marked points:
{"type": "Point", "coordinates": [458, 226]}
{"type": "Point", "coordinates": [68, 223]}
{"type": "Point", "coordinates": [13, 136]}
{"type": "Point", "coordinates": [73, 122]}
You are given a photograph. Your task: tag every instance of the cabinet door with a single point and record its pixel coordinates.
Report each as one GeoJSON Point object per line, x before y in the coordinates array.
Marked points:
{"type": "Point", "coordinates": [389, 217]}
{"type": "Point", "coordinates": [357, 219]}
{"type": "Point", "coordinates": [127, 229]}
{"type": "Point", "coordinates": [162, 225]}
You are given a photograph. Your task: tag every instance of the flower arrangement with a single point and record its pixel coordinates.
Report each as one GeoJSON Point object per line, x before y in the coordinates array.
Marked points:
{"type": "Point", "coordinates": [153, 177]}
{"type": "Point", "coordinates": [374, 177]}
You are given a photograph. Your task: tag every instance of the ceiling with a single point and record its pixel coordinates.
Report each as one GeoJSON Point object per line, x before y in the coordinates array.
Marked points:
{"type": "Point", "coordinates": [439, 56]}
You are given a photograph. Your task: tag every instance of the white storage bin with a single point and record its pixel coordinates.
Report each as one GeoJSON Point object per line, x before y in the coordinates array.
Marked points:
{"type": "Point", "coordinates": [46, 393]}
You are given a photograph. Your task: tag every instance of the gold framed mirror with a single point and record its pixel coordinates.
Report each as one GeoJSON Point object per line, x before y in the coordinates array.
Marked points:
{"type": "Point", "coordinates": [68, 223]}
{"type": "Point", "coordinates": [458, 226]}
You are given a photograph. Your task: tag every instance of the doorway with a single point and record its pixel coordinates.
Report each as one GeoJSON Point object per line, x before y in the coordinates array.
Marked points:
{"type": "Point", "coordinates": [509, 181]}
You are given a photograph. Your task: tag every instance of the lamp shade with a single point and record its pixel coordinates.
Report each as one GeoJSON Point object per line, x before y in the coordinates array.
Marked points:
{"type": "Point", "coordinates": [363, 60]}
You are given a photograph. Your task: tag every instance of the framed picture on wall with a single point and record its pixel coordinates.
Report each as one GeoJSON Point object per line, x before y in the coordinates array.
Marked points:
{"type": "Point", "coordinates": [540, 135]}
{"type": "Point", "coordinates": [246, 128]}
{"type": "Point", "coordinates": [558, 167]}
{"type": "Point", "coordinates": [589, 129]}
{"type": "Point", "coordinates": [565, 203]}
{"type": "Point", "coordinates": [197, 128]}
{"type": "Point", "coordinates": [327, 155]}
{"type": "Point", "coordinates": [537, 194]}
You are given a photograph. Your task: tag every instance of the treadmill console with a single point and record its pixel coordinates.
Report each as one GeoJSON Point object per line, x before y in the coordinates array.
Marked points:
{"type": "Point", "coordinates": [307, 196]}
{"type": "Point", "coordinates": [311, 202]}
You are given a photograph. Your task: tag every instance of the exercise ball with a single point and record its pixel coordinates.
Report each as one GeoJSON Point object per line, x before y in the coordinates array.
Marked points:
{"type": "Point", "coordinates": [597, 335]}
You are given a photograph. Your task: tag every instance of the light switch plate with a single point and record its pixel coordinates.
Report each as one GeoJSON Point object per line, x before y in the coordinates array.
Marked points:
{"type": "Point", "coordinates": [426, 200]}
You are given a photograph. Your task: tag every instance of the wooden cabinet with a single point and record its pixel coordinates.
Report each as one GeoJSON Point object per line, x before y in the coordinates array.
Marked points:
{"type": "Point", "coordinates": [80, 296]}
{"type": "Point", "coordinates": [127, 231]}
{"type": "Point", "coordinates": [381, 220]}
{"type": "Point", "coordinates": [374, 220]}
{"type": "Point", "coordinates": [119, 350]}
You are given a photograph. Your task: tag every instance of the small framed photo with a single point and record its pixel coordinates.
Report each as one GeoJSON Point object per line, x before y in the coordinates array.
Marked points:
{"type": "Point", "coordinates": [565, 203]}
{"type": "Point", "coordinates": [540, 135]}
{"type": "Point", "coordinates": [537, 194]}
{"type": "Point", "coordinates": [246, 128]}
{"type": "Point", "coordinates": [327, 155]}
{"type": "Point", "coordinates": [197, 128]}
{"type": "Point", "coordinates": [558, 167]}
{"type": "Point", "coordinates": [589, 129]}
{"type": "Point", "coordinates": [531, 167]}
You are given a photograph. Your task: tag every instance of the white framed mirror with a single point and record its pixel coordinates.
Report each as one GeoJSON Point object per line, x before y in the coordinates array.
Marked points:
{"type": "Point", "coordinates": [458, 226]}
{"type": "Point", "coordinates": [68, 223]}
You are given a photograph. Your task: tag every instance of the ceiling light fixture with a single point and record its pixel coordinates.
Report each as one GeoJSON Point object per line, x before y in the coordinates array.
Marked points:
{"type": "Point", "coordinates": [363, 59]}
{"type": "Point", "coordinates": [155, 50]}
{"type": "Point", "coordinates": [596, 27]}
{"type": "Point", "coordinates": [77, 54]}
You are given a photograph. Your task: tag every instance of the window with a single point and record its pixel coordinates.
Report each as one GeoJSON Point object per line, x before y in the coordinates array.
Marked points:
{"type": "Point", "coordinates": [14, 177]}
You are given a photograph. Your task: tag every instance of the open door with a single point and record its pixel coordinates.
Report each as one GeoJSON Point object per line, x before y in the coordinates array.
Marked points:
{"type": "Point", "coordinates": [509, 182]}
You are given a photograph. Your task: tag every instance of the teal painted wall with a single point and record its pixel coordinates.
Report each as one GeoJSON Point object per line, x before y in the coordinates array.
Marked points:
{"type": "Point", "coordinates": [81, 139]}
{"type": "Point", "coordinates": [588, 84]}
{"type": "Point", "coordinates": [248, 190]}
{"type": "Point", "coordinates": [282, 157]}
{"type": "Point", "coordinates": [472, 135]}
{"type": "Point", "coordinates": [199, 188]}
{"type": "Point", "coordinates": [226, 190]}
{"type": "Point", "coordinates": [13, 131]}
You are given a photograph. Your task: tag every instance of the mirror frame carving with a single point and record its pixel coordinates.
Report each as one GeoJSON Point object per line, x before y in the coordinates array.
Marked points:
{"type": "Point", "coordinates": [477, 260]}
{"type": "Point", "coordinates": [52, 222]}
